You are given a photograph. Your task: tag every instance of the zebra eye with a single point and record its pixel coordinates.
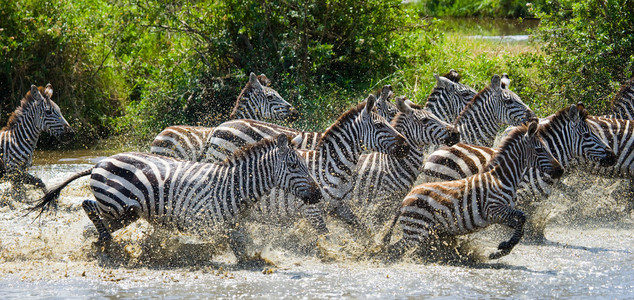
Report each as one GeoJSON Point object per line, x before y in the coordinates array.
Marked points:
{"type": "Point", "coordinates": [270, 97]}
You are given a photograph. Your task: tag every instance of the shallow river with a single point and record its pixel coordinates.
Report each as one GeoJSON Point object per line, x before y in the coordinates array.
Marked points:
{"type": "Point", "coordinates": [590, 254]}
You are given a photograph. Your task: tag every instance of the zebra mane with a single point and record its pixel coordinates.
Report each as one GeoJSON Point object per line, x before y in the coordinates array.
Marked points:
{"type": "Point", "coordinates": [24, 103]}
{"type": "Point", "coordinates": [264, 81]}
{"type": "Point", "coordinates": [618, 98]}
{"type": "Point", "coordinates": [507, 142]}
{"type": "Point", "coordinates": [562, 114]}
{"type": "Point", "coordinates": [472, 102]}
{"type": "Point", "coordinates": [351, 113]}
{"type": "Point", "coordinates": [246, 151]}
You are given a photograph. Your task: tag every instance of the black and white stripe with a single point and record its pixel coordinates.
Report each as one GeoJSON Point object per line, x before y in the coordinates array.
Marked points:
{"type": "Point", "coordinates": [381, 180]}
{"type": "Point", "coordinates": [481, 119]}
{"type": "Point", "coordinates": [189, 196]}
{"type": "Point", "coordinates": [256, 101]}
{"type": "Point", "coordinates": [623, 101]}
{"type": "Point", "coordinates": [37, 113]}
{"type": "Point", "coordinates": [449, 97]}
{"type": "Point", "coordinates": [333, 163]}
{"type": "Point", "coordinates": [464, 206]}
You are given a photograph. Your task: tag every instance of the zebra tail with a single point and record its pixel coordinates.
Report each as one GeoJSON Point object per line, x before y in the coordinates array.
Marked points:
{"type": "Point", "coordinates": [388, 233]}
{"type": "Point", "coordinates": [54, 192]}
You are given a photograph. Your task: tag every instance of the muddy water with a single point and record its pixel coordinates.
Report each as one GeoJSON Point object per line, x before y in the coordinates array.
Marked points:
{"type": "Point", "coordinates": [589, 255]}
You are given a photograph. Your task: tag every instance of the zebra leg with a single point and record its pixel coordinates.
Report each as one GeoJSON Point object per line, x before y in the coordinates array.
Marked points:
{"type": "Point", "coordinates": [35, 181]}
{"type": "Point", "coordinates": [314, 214]}
{"type": "Point", "coordinates": [238, 241]}
{"type": "Point", "coordinates": [344, 212]}
{"type": "Point", "coordinates": [516, 221]}
{"type": "Point", "coordinates": [131, 214]}
{"type": "Point", "coordinates": [90, 207]}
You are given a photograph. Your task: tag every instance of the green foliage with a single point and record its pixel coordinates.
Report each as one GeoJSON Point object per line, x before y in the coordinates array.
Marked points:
{"type": "Point", "coordinates": [479, 8]}
{"type": "Point", "coordinates": [590, 49]}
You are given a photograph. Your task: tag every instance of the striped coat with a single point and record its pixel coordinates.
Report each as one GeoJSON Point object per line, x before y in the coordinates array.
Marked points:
{"type": "Point", "coordinates": [37, 113]}
{"type": "Point", "coordinates": [256, 101]}
{"type": "Point", "coordinates": [194, 197]}
{"type": "Point", "coordinates": [467, 205]}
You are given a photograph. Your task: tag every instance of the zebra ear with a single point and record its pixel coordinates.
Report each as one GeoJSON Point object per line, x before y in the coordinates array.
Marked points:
{"type": "Point", "coordinates": [369, 103]}
{"type": "Point", "coordinates": [532, 128]}
{"type": "Point", "coordinates": [496, 84]}
{"type": "Point", "coordinates": [49, 91]}
{"type": "Point", "coordinates": [506, 81]}
{"type": "Point", "coordinates": [297, 141]}
{"type": "Point", "coordinates": [573, 113]}
{"type": "Point", "coordinates": [254, 82]}
{"type": "Point", "coordinates": [439, 82]}
{"type": "Point", "coordinates": [282, 141]}
{"type": "Point", "coordinates": [35, 93]}
{"type": "Point", "coordinates": [265, 81]}
{"type": "Point", "coordinates": [386, 93]}
{"type": "Point", "coordinates": [403, 106]}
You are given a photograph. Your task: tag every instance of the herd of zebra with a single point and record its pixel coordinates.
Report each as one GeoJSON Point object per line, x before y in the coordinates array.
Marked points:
{"type": "Point", "coordinates": [361, 170]}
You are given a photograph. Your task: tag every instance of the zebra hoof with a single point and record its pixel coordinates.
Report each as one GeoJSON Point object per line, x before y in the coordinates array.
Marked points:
{"type": "Point", "coordinates": [499, 254]}
{"type": "Point", "coordinates": [505, 246]}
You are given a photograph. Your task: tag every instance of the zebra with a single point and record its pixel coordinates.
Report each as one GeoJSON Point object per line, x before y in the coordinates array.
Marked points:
{"type": "Point", "coordinates": [333, 163]}
{"type": "Point", "coordinates": [256, 101]}
{"type": "Point", "coordinates": [449, 97]}
{"type": "Point", "coordinates": [36, 113]}
{"type": "Point", "coordinates": [464, 206]}
{"type": "Point", "coordinates": [568, 134]}
{"type": "Point", "coordinates": [623, 101]}
{"type": "Point", "coordinates": [380, 178]}
{"type": "Point", "coordinates": [384, 106]}
{"type": "Point", "coordinates": [480, 120]}
{"type": "Point", "coordinates": [200, 198]}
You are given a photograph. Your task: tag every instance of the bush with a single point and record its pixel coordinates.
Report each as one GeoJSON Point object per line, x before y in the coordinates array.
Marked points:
{"type": "Point", "coordinates": [589, 48]}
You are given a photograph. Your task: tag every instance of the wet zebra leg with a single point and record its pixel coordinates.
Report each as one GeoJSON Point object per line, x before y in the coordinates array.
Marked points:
{"type": "Point", "coordinates": [131, 214]}
{"type": "Point", "coordinates": [238, 241]}
{"type": "Point", "coordinates": [90, 207]}
{"type": "Point", "coordinates": [515, 220]}
{"type": "Point", "coordinates": [344, 212]}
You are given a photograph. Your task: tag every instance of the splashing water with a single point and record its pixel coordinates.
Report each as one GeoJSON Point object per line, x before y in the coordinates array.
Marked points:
{"type": "Point", "coordinates": [589, 254]}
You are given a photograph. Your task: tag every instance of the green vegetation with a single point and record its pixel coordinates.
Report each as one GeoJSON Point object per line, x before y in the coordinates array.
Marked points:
{"type": "Point", "coordinates": [125, 70]}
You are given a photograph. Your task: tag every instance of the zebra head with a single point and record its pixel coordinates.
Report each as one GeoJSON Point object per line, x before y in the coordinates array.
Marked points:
{"type": "Point", "coordinates": [586, 142]}
{"type": "Point", "coordinates": [376, 133]}
{"type": "Point", "coordinates": [47, 116]}
{"type": "Point", "coordinates": [448, 97]}
{"type": "Point", "coordinates": [508, 106]}
{"type": "Point", "coordinates": [260, 102]}
{"type": "Point", "coordinates": [538, 155]}
{"type": "Point", "coordinates": [422, 127]}
{"type": "Point", "coordinates": [291, 172]}
{"type": "Point", "coordinates": [385, 108]}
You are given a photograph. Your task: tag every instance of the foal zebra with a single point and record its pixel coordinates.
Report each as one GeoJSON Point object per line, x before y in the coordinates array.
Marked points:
{"type": "Point", "coordinates": [449, 97]}
{"type": "Point", "coordinates": [623, 101]}
{"type": "Point", "coordinates": [568, 136]}
{"type": "Point", "coordinates": [467, 205]}
{"type": "Point", "coordinates": [480, 120]}
{"type": "Point", "coordinates": [195, 197]}
{"type": "Point", "coordinates": [256, 101]}
{"type": "Point", "coordinates": [382, 178]}
{"type": "Point", "coordinates": [36, 113]}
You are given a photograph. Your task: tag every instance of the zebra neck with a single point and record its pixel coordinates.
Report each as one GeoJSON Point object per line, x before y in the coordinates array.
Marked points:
{"type": "Point", "coordinates": [554, 139]}
{"type": "Point", "coordinates": [25, 134]}
{"type": "Point", "coordinates": [510, 166]}
{"type": "Point", "coordinates": [478, 124]}
{"type": "Point", "coordinates": [250, 177]}
{"type": "Point", "coordinates": [341, 146]}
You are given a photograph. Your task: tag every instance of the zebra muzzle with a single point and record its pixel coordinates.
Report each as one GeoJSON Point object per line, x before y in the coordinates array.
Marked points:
{"type": "Point", "coordinates": [608, 160]}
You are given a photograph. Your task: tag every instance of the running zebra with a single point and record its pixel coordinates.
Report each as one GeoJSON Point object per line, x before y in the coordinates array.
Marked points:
{"type": "Point", "coordinates": [623, 101]}
{"type": "Point", "coordinates": [384, 106]}
{"type": "Point", "coordinates": [194, 197]}
{"type": "Point", "coordinates": [36, 113]}
{"type": "Point", "coordinates": [256, 101]}
{"type": "Point", "coordinates": [481, 119]}
{"type": "Point", "coordinates": [568, 135]}
{"type": "Point", "coordinates": [449, 97]}
{"type": "Point", "coordinates": [382, 179]}
{"type": "Point", "coordinates": [464, 206]}
{"type": "Point", "coordinates": [333, 163]}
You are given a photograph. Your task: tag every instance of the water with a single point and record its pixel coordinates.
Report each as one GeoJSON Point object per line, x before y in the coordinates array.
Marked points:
{"type": "Point", "coordinates": [505, 30]}
{"type": "Point", "coordinates": [54, 257]}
